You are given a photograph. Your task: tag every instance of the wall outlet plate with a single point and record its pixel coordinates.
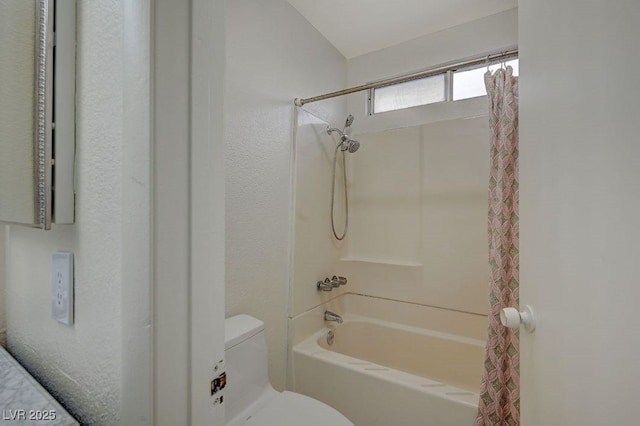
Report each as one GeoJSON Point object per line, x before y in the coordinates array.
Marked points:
{"type": "Point", "coordinates": [62, 287]}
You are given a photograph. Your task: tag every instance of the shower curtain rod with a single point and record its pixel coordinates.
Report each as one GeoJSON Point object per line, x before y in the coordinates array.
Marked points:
{"type": "Point", "coordinates": [416, 76]}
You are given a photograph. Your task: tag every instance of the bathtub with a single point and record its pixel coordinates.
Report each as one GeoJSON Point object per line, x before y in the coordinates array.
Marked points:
{"type": "Point", "coordinates": [391, 363]}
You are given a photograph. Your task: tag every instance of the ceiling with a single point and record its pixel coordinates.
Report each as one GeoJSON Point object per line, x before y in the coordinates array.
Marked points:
{"type": "Point", "coordinates": [356, 27]}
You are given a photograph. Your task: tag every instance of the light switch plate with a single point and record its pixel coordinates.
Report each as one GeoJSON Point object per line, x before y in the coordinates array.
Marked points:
{"type": "Point", "coordinates": [62, 287]}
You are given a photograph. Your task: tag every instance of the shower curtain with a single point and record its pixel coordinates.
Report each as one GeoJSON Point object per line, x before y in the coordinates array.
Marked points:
{"type": "Point", "coordinates": [500, 391]}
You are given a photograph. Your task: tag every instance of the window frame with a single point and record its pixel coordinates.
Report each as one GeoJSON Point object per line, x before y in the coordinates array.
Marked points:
{"type": "Point", "coordinates": [449, 82]}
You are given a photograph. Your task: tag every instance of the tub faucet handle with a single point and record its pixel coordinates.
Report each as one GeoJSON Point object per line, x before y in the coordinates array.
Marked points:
{"type": "Point", "coordinates": [339, 280]}
{"type": "Point", "coordinates": [325, 285]}
{"type": "Point", "coordinates": [330, 316]}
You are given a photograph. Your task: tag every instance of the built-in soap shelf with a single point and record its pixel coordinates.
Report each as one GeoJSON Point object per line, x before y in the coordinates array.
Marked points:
{"type": "Point", "coordinates": [382, 261]}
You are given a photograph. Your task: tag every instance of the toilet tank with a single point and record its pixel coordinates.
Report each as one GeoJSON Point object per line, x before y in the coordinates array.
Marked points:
{"type": "Point", "coordinates": [246, 361]}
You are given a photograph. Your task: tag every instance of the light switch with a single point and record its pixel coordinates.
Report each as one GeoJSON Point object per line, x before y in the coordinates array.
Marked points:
{"type": "Point", "coordinates": [62, 287]}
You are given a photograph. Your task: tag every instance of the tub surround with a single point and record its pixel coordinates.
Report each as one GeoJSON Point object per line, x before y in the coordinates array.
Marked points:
{"type": "Point", "coordinates": [20, 391]}
{"type": "Point", "coordinates": [417, 215]}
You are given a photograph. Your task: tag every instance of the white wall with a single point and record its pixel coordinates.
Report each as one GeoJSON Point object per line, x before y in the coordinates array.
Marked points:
{"type": "Point", "coordinates": [207, 209]}
{"type": "Point", "coordinates": [273, 56]}
{"type": "Point", "coordinates": [83, 365]}
{"type": "Point", "coordinates": [171, 212]}
{"type": "Point", "coordinates": [580, 198]}
{"type": "Point", "coordinates": [188, 198]}
{"type": "Point", "coordinates": [137, 237]}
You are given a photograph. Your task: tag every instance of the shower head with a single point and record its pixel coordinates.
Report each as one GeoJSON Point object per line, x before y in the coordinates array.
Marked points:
{"type": "Point", "coordinates": [349, 121]}
{"type": "Point", "coordinates": [346, 143]}
{"type": "Point", "coordinates": [352, 146]}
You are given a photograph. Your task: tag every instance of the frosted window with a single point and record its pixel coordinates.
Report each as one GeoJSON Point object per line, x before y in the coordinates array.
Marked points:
{"type": "Point", "coordinates": [470, 83]}
{"type": "Point", "coordinates": [412, 93]}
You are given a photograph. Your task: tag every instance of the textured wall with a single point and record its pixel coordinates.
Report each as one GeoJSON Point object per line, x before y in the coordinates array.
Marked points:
{"type": "Point", "coordinates": [2, 295]}
{"type": "Point", "coordinates": [273, 56]}
{"type": "Point", "coordinates": [81, 365]}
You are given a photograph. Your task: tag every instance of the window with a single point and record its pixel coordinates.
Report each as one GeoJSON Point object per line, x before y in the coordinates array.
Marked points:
{"type": "Point", "coordinates": [469, 83]}
{"type": "Point", "coordinates": [452, 85]}
{"type": "Point", "coordinates": [412, 93]}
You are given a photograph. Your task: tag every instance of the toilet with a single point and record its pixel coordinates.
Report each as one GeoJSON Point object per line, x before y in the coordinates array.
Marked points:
{"type": "Point", "coordinates": [250, 399]}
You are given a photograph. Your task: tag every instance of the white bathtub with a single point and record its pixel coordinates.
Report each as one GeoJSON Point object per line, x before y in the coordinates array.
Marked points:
{"type": "Point", "coordinates": [391, 363]}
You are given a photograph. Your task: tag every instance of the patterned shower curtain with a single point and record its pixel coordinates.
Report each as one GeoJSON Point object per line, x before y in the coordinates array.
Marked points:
{"type": "Point", "coordinates": [500, 391]}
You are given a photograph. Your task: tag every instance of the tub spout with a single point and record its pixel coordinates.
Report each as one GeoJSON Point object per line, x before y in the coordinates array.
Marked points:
{"type": "Point", "coordinates": [330, 316]}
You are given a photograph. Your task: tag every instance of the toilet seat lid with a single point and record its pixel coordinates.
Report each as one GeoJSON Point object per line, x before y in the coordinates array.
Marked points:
{"type": "Point", "coordinates": [294, 409]}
